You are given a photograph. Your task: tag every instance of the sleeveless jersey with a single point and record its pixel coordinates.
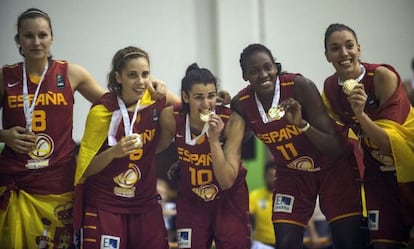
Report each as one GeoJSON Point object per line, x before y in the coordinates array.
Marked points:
{"type": "Point", "coordinates": [291, 149]}
{"type": "Point", "coordinates": [396, 109]}
{"type": "Point", "coordinates": [197, 178]}
{"type": "Point", "coordinates": [128, 184]}
{"type": "Point", "coordinates": [52, 123]}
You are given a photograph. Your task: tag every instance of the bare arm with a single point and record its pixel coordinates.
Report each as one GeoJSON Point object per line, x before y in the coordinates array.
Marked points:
{"type": "Point", "coordinates": [172, 98]}
{"type": "Point", "coordinates": [226, 161]}
{"type": "Point", "coordinates": [81, 80]}
{"type": "Point", "coordinates": [167, 123]}
{"type": "Point", "coordinates": [385, 85]}
{"type": "Point", "coordinates": [309, 104]}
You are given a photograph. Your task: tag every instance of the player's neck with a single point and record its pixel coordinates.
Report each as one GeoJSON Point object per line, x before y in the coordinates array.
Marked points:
{"type": "Point", "coordinates": [35, 67]}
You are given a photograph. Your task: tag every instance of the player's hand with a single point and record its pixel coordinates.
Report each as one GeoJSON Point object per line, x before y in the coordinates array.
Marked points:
{"type": "Point", "coordinates": [19, 139]}
{"type": "Point", "coordinates": [223, 97]}
{"type": "Point", "coordinates": [357, 99]}
{"type": "Point", "coordinates": [157, 88]}
{"type": "Point", "coordinates": [293, 111]}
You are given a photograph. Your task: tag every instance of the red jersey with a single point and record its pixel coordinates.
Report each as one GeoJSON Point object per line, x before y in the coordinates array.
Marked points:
{"type": "Point", "coordinates": [128, 184]}
{"type": "Point", "coordinates": [291, 149]}
{"type": "Point", "coordinates": [52, 123]}
{"type": "Point", "coordinates": [197, 179]}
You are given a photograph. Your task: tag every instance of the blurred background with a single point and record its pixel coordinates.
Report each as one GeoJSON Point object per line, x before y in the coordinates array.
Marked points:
{"type": "Point", "coordinates": [213, 34]}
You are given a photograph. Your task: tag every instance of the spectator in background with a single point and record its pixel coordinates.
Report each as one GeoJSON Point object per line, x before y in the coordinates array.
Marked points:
{"type": "Point", "coordinates": [260, 208]}
{"type": "Point", "coordinates": [168, 208]}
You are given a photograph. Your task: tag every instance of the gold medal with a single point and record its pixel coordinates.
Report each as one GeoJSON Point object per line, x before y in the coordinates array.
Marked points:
{"type": "Point", "coordinates": [349, 85]}
{"type": "Point", "coordinates": [138, 141]}
{"type": "Point", "coordinates": [205, 116]}
{"type": "Point", "coordinates": [276, 112]}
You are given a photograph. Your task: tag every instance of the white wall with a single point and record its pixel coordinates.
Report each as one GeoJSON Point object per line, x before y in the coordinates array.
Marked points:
{"type": "Point", "coordinates": [213, 33]}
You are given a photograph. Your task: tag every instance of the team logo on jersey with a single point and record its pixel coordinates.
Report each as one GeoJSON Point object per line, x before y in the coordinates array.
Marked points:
{"type": "Point", "coordinates": [373, 220]}
{"type": "Point", "coordinates": [283, 203]}
{"type": "Point", "coordinates": [44, 147]}
{"type": "Point", "coordinates": [184, 238]}
{"type": "Point", "coordinates": [110, 242]}
{"type": "Point", "coordinates": [207, 192]}
{"type": "Point", "coordinates": [304, 163]}
{"type": "Point", "coordinates": [60, 81]}
{"type": "Point", "coordinates": [126, 181]}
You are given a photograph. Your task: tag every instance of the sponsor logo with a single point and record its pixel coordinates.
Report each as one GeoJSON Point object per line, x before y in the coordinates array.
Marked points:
{"type": "Point", "coordinates": [110, 242]}
{"type": "Point", "coordinates": [373, 220]}
{"type": "Point", "coordinates": [184, 238]}
{"type": "Point", "coordinates": [283, 203]}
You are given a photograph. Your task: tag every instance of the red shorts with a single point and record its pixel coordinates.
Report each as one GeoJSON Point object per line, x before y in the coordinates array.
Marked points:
{"type": "Point", "coordinates": [224, 220]}
{"type": "Point", "coordinates": [103, 229]}
{"type": "Point", "coordinates": [338, 188]}
{"type": "Point", "coordinates": [387, 220]}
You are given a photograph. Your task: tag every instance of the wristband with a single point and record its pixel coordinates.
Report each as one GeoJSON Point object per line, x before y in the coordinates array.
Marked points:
{"type": "Point", "coordinates": [307, 126]}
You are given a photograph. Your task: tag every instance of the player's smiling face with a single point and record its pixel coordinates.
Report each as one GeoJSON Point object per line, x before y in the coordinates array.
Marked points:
{"type": "Point", "coordinates": [343, 51]}
{"type": "Point", "coordinates": [261, 72]}
{"type": "Point", "coordinates": [134, 78]}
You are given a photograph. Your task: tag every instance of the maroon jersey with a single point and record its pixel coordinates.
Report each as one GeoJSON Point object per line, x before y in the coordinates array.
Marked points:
{"type": "Point", "coordinates": [291, 149]}
{"type": "Point", "coordinates": [52, 123]}
{"type": "Point", "coordinates": [128, 185]}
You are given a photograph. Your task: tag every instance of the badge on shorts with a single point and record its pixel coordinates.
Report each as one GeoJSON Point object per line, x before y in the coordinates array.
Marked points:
{"type": "Point", "coordinates": [283, 203]}
{"type": "Point", "coordinates": [373, 220]}
{"type": "Point", "coordinates": [110, 242]}
{"type": "Point", "coordinates": [184, 238]}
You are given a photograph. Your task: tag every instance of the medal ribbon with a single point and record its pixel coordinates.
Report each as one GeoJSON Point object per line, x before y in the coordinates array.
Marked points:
{"type": "Point", "coordinates": [188, 139]}
{"type": "Point", "coordinates": [27, 108]}
{"type": "Point", "coordinates": [128, 126]}
{"type": "Point", "coordinates": [275, 101]}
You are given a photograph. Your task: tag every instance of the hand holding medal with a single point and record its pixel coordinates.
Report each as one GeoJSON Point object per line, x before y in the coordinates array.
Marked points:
{"type": "Point", "coordinates": [293, 113]}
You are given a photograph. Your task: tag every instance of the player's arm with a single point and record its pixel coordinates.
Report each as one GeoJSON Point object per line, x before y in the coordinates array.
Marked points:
{"type": "Point", "coordinates": [81, 80]}
{"type": "Point", "coordinates": [321, 131]}
{"type": "Point", "coordinates": [226, 160]}
{"type": "Point", "coordinates": [167, 128]}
